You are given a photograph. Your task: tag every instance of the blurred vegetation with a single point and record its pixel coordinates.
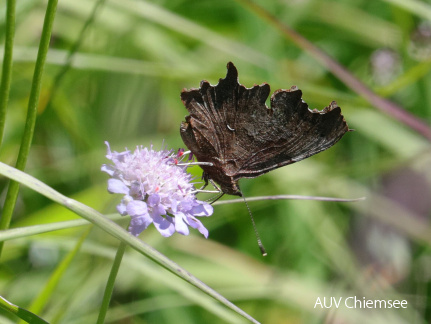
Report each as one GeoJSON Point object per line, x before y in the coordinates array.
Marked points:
{"type": "Point", "coordinates": [123, 86]}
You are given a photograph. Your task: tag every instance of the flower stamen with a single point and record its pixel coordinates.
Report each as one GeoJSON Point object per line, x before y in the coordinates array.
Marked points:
{"type": "Point", "coordinates": [157, 190]}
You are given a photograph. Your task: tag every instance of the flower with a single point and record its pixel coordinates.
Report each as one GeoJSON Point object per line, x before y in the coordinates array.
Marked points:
{"type": "Point", "coordinates": [157, 189]}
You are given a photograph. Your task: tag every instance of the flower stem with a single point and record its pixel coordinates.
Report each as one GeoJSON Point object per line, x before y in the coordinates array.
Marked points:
{"type": "Point", "coordinates": [7, 63]}
{"type": "Point", "coordinates": [33, 101]}
{"type": "Point", "coordinates": [70, 55]}
{"type": "Point", "coordinates": [111, 281]}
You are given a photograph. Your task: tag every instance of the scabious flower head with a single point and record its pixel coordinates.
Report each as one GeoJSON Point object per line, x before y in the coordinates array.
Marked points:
{"type": "Point", "coordinates": [156, 189]}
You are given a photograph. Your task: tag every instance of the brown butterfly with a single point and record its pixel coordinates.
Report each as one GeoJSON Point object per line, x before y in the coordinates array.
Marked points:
{"type": "Point", "coordinates": [231, 127]}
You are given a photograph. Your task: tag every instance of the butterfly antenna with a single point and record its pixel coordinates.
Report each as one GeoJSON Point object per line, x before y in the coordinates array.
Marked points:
{"type": "Point", "coordinates": [217, 198]}
{"type": "Point", "coordinates": [259, 242]}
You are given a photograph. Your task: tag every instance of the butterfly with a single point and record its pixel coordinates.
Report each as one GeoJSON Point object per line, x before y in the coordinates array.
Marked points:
{"type": "Point", "coordinates": [231, 127]}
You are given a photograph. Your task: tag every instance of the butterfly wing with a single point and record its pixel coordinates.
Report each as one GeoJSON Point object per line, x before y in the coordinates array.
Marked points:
{"type": "Point", "coordinates": [231, 126]}
{"type": "Point", "coordinates": [291, 132]}
{"type": "Point", "coordinates": [217, 113]}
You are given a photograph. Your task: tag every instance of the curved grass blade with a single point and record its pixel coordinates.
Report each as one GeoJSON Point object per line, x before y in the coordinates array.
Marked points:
{"type": "Point", "coordinates": [118, 232]}
{"type": "Point", "coordinates": [42, 299]}
{"type": "Point", "coordinates": [22, 313]}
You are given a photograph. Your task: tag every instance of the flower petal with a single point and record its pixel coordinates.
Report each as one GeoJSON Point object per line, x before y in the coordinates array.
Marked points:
{"type": "Point", "coordinates": [139, 224]}
{"type": "Point", "coordinates": [202, 209]}
{"type": "Point", "coordinates": [109, 169]}
{"type": "Point", "coordinates": [186, 204]}
{"type": "Point", "coordinates": [174, 205]}
{"type": "Point", "coordinates": [136, 190]}
{"type": "Point", "coordinates": [157, 210]}
{"type": "Point", "coordinates": [108, 150]}
{"type": "Point", "coordinates": [180, 226]}
{"type": "Point", "coordinates": [122, 209]}
{"type": "Point", "coordinates": [117, 186]}
{"type": "Point", "coordinates": [164, 225]}
{"type": "Point", "coordinates": [153, 199]}
{"type": "Point", "coordinates": [195, 223]}
{"type": "Point", "coordinates": [137, 208]}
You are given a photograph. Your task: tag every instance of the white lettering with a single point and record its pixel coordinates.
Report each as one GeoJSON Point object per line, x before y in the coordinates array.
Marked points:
{"type": "Point", "coordinates": [355, 302]}
{"type": "Point", "coordinates": [318, 302]}
{"type": "Point", "coordinates": [327, 303]}
{"type": "Point", "coordinates": [345, 302]}
{"type": "Point", "coordinates": [335, 302]}
{"type": "Point", "coordinates": [384, 303]}
{"type": "Point", "coordinates": [324, 302]}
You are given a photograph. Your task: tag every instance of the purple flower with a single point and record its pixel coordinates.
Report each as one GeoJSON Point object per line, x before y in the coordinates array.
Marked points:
{"type": "Point", "coordinates": [157, 189]}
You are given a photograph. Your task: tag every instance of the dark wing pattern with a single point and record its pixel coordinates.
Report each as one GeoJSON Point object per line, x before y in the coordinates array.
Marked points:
{"type": "Point", "coordinates": [231, 126]}
{"type": "Point", "coordinates": [290, 133]}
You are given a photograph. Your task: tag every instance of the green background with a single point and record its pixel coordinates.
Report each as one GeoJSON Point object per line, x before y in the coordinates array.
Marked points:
{"type": "Point", "coordinates": [123, 86]}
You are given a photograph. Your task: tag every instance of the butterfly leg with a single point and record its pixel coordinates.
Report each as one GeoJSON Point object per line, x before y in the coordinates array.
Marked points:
{"type": "Point", "coordinates": [217, 198]}
{"type": "Point", "coordinates": [217, 188]}
{"type": "Point", "coordinates": [215, 185]}
{"type": "Point", "coordinates": [205, 179]}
